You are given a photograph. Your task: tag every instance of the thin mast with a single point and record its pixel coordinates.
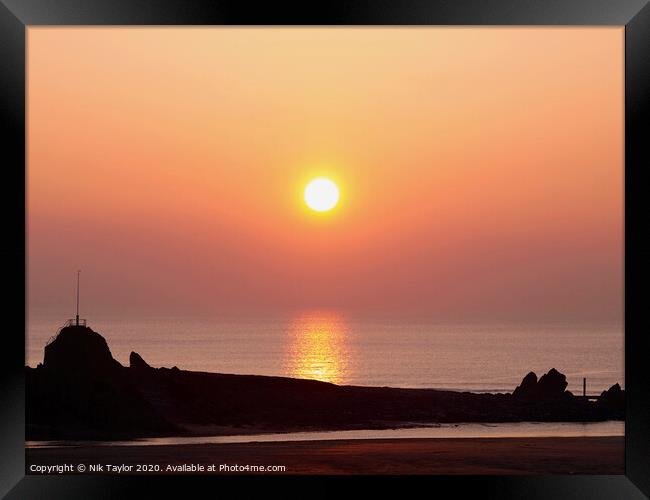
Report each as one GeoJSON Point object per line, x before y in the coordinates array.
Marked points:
{"type": "Point", "coordinates": [77, 318]}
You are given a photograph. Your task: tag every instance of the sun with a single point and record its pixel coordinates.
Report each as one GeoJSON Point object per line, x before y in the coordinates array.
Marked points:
{"type": "Point", "coordinates": [321, 194]}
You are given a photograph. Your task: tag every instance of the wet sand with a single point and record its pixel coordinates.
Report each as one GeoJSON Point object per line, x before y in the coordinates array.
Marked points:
{"type": "Point", "coordinates": [569, 455]}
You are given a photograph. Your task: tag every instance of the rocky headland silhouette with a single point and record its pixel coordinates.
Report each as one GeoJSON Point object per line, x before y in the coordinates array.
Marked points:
{"type": "Point", "coordinates": [81, 392]}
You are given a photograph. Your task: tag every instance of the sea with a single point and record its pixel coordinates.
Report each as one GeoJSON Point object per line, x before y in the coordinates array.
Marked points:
{"type": "Point", "coordinates": [345, 349]}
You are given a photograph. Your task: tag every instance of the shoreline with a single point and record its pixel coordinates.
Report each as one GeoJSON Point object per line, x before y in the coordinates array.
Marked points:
{"type": "Point", "coordinates": [105, 400]}
{"type": "Point", "coordinates": [147, 402]}
{"type": "Point", "coordinates": [461, 430]}
{"type": "Point", "coordinates": [538, 455]}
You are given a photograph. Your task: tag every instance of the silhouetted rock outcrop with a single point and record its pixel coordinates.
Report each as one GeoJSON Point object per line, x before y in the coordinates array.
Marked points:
{"type": "Point", "coordinates": [81, 391]}
{"type": "Point", "coordinates": [552, 385]}
{"type": "Point", "coordinates": [79, 349]}
{"type": "Point", "coordinates": [527, 386]}
{"type": "Point", "coordinates": [136, 361]}
{"type": "Point", "coordinates": [614, 397]}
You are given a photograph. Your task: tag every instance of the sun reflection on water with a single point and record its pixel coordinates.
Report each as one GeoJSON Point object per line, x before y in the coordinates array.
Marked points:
{"type": "Point", "coordinates": [318, 347]}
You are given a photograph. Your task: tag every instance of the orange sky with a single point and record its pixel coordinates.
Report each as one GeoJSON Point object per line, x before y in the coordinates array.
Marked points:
{"type": "Point", "coordinates": [481, 170]}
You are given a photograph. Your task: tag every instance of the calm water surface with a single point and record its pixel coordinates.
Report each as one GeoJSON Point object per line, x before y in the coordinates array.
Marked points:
{"type": "Point", "coordinates": [513, 430]}
{"type": "Point", "coordinates": [343, 349]}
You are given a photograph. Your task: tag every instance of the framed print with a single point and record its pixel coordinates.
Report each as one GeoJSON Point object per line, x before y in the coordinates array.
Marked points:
{"type": "Point", "coordinates": [265, 246]}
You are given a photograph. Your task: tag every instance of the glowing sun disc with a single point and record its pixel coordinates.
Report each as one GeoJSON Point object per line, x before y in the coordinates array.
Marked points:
{"type": "Point", "coordinates": [321, 194]}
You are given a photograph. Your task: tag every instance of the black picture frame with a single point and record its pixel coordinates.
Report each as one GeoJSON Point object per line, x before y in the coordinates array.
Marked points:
{"type": "Point", "coordinates": [18, 15]}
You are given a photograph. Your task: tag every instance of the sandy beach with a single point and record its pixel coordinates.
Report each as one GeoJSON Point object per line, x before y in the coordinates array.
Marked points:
{"type": "Point", "coordinates": [579, 455]}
